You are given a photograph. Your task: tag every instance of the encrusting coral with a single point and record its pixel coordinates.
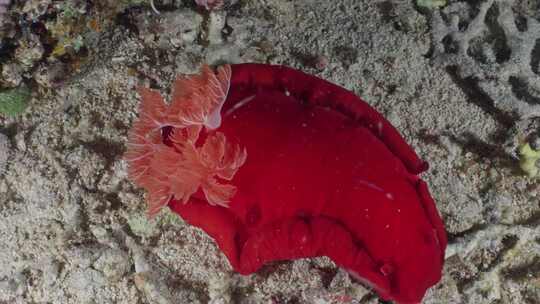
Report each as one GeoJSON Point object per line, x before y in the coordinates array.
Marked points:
{"type": "Point", "coordinates": [495, 50]}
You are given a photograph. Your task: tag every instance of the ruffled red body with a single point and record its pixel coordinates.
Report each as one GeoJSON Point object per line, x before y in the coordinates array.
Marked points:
{"type": "Point", "coordinates": [325, 175]}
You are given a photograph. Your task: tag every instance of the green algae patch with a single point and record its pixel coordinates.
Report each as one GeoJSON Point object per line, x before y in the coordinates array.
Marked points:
{"type": "Point", "coordinates": [14, 101]}
{"type": "Point", "coordinates": [527, 160]}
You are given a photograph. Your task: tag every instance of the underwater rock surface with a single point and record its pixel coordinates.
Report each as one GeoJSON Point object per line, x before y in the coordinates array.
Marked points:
{"type": "Point", "coordinates": [67, 209]}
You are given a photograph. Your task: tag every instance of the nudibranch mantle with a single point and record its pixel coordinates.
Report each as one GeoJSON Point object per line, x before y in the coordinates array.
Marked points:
{"type": "Point", "coordinates": [276, 164]}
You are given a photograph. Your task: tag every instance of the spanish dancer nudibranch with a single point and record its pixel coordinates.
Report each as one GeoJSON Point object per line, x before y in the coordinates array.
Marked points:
{"type": "Point", "coordinates": [275, 164]}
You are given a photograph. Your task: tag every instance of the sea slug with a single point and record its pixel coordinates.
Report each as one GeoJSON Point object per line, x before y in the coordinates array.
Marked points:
{"type": "Point", "coordinates": [275, 164]}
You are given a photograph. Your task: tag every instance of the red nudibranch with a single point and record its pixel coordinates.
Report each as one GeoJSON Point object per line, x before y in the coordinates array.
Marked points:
{"type": "Point", "coordinates": [275, 164]}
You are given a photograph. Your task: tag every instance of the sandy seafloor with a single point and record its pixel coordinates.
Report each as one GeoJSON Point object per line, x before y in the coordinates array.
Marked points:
{"type": "Point", "coordinates": [73, 227]}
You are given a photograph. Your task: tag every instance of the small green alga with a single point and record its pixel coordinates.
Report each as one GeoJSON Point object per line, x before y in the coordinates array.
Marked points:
{"type": "Point", "coordinates": [527, 159]}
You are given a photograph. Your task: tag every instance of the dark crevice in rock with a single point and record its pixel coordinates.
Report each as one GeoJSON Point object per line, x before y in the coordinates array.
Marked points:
{"type": "Point", "coordinates": [521, 89]}
{"type": "Point", "coordinates": [535, 58]}
{"type": "Point", "coordinates": [241, 294]}
{"type": "Point", "coordinates": [524, 272]}
{"type": "Point", "coordinates": [476, 96]}
{"type": "Point", "coordinates": [497, 35]}
{"type": "Point", "coordinates": [7, 48]}
{"type": "Point", "coordinates": [429, 137]}
{"type": "Point", "coordinates": [126, 19]}
{"type": "Point", "coordinates": [200, 289]}
{"type": "Point", "coordinates": [521, 23]}
{"type": "Point", "coordinates": [508, 242]}
{"type": "Point", "coordinates": [450, 45]}
{"type": "Point", "coordinates": [532, 221]}
{"type": "Point", "coordinates": [114, 200]}
{"type": "Point", "coordinates": [452, 237]}
{"type": "Point", "coordinates": [108, 149]}
{"type": "Point", "coordinates": [476, 50]}
{"type": "Point", "coordinates": [387, 11]}
{"type": "Point", "coordinates": [10, 131]}
{"type": "Point", "coordinates": [472, 143]}
{"type": "Point", "coordinates": [346, 55]}
{"type": "Point", "coordinates": [474, 8]}
{"type": "Point", "coordinates": [109, 201]}
{"type": "Point", "coordinates": [327, 275]}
